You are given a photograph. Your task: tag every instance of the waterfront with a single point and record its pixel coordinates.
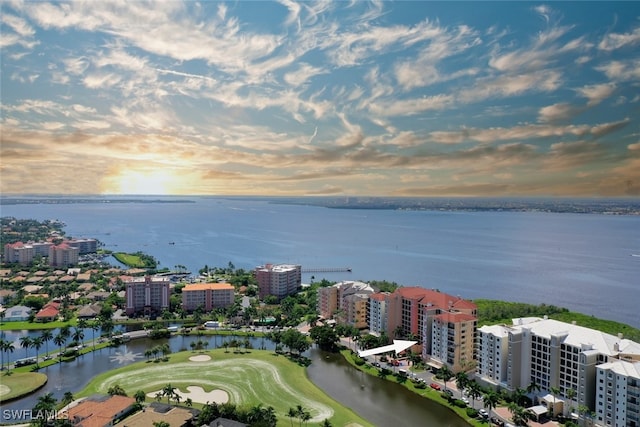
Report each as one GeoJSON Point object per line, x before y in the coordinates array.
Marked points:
{"type": "Point", "coordinates": [379, 401]}
{"type": "Point", "coordinates": [579, 261]}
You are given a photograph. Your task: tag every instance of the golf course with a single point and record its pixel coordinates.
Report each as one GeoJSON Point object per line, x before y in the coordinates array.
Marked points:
{"type": "Point", "coordinates": [19, 384]}
{"type": "Point", "coordinates": [248, 378]}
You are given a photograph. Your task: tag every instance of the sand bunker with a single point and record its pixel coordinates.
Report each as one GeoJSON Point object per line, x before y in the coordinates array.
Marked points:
{"type": "Point", "coordinates": [200, 358]}
{"type": "Point", "coordinates": [4, 390]}
{"type": "Point", "coordinates": [198, 395]}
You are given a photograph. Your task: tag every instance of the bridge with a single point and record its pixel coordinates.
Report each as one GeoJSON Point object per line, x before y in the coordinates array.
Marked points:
{"type": "Point", "coordinates": [327, 270]}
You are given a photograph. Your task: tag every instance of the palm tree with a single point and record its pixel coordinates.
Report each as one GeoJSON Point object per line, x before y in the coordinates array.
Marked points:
{"type": "Point", "coordinates": [116, 390]}
{"type": "Point", "coordinates": [140, 397]}
{"type": "Point", "coordinates": [519, 415]}
{"type": "Point", "coordinates": [188, 402]}
{"type": "Point", "coordinates": [446, 374]}
{"type": "Point", "coordinates": [94, 327]}
{"type": "Point", "coordinates": [37, 344]}
{"type": "Point", "coordinates": [292, 413]}
{"type": "Point", "coordinates": [571, 394]}
{"type": "Point", "coordinates": [68, 398]}
{"type": "Point", "coordinates": [326, 423]}
{"type": "Point", "coordinates": [462, 380]}
{"type": "Point", "coordinates": [25, 342]}
{"type": "Point", "coordinates": [8, 348]}
{"type": "Point", "coordinates": [168, 391]}
{"type": "Point", "coordinates": [555, 391]}
{"type": "Point", "coordinates": [491, 400]}
{"type": "Point", "coordinates": [46, 405]}
{"type": "Point", "coordinates": [78, 335]}
{"type": "Point", "coordinates": [46, 336]}
{"type": "Point", "coordinates": [59, 340]}
{"type": "Point", "coordinates": [474, 391]}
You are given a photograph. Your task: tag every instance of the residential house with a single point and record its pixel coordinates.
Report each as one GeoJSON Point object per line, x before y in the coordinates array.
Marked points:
{"type": "Point", "coordinates": [49, 312]}
{"type": "Point", "coordinates": [17, 313]}
{"type": "Point", "coordinates": [99, 411]}
{"type": "Point", "coordinates": [157, 412]}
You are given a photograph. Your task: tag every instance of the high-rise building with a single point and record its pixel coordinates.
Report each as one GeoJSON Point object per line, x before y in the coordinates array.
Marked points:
{"type": "Point", "coordinates": [63, 255]}
{"type": "Point", "coordinates": [618, 394]}
{"type": "Point", "coordinates": [207, 295]}
{"type": "Point", "coordinates": [378, 313]}
{"type": "Point", "coordinates": [85, 246]}
{"type": "Point", "coordinates": [346, 302]}
{"type": "Point", "coordinates": [18, 252]}
{"type": "Point", "coordinates": [278, 280]}
{"type": "Point", "coordinates": [553, 355]}
{"type": "Point", "coordinates": [453, 340]}
{"type": "Point", "coordinates": [147, 295]}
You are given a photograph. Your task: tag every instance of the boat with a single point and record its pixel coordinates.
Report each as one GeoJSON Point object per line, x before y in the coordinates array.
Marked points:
{"type": "Point", "coordinates": [172, 243]}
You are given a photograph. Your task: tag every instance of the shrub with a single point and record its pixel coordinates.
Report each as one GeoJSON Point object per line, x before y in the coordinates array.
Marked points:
{"type": "Point", "coordinates": [459, 403]}
{"type": "Point", "coordinates": [472, 413]}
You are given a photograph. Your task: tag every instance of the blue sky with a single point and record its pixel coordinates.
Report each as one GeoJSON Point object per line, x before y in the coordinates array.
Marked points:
{"type": "Point", "coordinates": [321, 98]}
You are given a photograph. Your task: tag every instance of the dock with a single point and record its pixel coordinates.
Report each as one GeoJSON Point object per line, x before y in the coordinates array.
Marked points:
{"type": "Point", "coordinates": [327, 270]}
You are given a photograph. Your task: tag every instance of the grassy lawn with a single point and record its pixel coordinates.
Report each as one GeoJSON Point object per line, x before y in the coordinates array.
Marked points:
{"type": "Point", "coordinates": [249, 379]}
{"type": "Point", "coordinates": [19, 384]}
{"type": "Point", "coordinates": [129, 260]}
{"type": "Point", "coordinates": [26, 325]}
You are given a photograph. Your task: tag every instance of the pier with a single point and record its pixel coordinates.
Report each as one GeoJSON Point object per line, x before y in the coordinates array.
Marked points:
{"type": "Point", "coordinates": [327, 270]}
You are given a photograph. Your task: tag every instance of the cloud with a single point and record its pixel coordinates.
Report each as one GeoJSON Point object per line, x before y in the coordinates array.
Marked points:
{"type": "Point", "coordinates": [558, 112]}
{"type": "Point", "coordinates": [615, 41]}
{"type": "Point", "coordinates": [596, 93]}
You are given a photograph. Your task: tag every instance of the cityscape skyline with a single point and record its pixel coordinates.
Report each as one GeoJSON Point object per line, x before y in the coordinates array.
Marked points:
{"type": "Point", "coordinates": [324, 98]}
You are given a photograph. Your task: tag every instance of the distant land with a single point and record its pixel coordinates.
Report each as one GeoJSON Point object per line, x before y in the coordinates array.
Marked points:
{"type": "Point", "coordinates": [604, 206]}
{"type": "Point", "coordinates": [559, 205]}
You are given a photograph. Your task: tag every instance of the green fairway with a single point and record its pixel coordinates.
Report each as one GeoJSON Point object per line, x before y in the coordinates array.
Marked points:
{"type": "Point", "coordinates": [248, 379]}
{"type": "Point", "coordinates": [19, 384]}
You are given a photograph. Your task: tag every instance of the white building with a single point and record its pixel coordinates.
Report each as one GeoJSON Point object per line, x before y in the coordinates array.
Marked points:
{"type": "Point", "coordinates": [378, 313]}
{"type": "Point", "coordinates": [618, 394]}
{"type": "Point", "coordinates": [491, 353]}
{"type": "Point", "coordinates": [551, 354]}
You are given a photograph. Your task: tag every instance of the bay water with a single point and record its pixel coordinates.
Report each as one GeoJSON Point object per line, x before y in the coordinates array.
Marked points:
{"type": "Point", "coordinates": [588, 263]}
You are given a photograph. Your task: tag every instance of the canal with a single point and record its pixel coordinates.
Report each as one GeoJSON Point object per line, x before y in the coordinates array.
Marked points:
{"type": "Point", "coordinates": [382, 402]}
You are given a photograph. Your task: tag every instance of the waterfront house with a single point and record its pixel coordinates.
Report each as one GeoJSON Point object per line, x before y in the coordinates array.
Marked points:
{"type": "Point", "coordinates": [99, 411]}
{"type": "Point", "coordinates": [17, 313]}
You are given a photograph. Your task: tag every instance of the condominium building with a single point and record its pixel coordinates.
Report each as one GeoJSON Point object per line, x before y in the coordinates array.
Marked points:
{"type": "Point", "coordinates": [453, 340]}
{"type": "Point", "coordinates": [551, 354]}
{"type": "Point", "coordinates": [492, 347]}
{"type": "Point", "coordinates": [346, 301]}
{"type": "Point", "coordinates": [327, 301]}
{"type": "Point", "coordinates": [278, 280]}
{"type": "Point", "coordinates": [63, 255]}
{"type": "Point", "coordinates": [147, 295]}
{"type": "Point", "coordinates": [18, 252]}
{"type": "Point", "coordinates": [85, 246]}
{"type": "Point", "coordinates": [618, 394]}
{"type": "Point", "coordinates": [207, 296]}
{"type": "Point", "coordinates": [378, 313]}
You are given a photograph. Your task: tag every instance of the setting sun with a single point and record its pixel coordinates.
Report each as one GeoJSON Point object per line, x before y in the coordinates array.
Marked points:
{"type": "Point", "coordinates": [140, 182]}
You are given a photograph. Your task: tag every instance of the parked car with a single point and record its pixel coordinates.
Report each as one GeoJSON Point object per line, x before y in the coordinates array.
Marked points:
{"type": "Point", "coordinates": [483, 413]}
{"type": "Point", "coordinates": [465, 400]}
{"type": "Point", "coordinates": [449, 392]}
{"type": "Point", "coordinates": [497, 421]}
{"type": "Point", "coordinates": [435, 386]}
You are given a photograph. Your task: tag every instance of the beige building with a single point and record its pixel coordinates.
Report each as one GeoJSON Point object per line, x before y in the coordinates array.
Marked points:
{"type": "Point", "coordinates": [346, 301]}
{"type": "Point", "coordinates": [18, 252]}
{"type": "Point", "coordinates": [207, 295]}
{"type": "Point", "coordinates": [63, 255]}
{"type": "Point", "coordinates": [148, 294]}
{"type": "Point", "coordinates": [278, 280]}
{"type": "Point", "coordinates": [453, 340]}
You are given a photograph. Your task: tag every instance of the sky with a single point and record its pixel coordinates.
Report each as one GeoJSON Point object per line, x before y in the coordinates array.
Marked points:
{"type": "Point", "coordinates": [409, 98]}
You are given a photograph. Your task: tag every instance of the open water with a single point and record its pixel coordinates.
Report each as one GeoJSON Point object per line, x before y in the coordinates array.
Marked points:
{"type": "Point", "coordinates": [584, 262]}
